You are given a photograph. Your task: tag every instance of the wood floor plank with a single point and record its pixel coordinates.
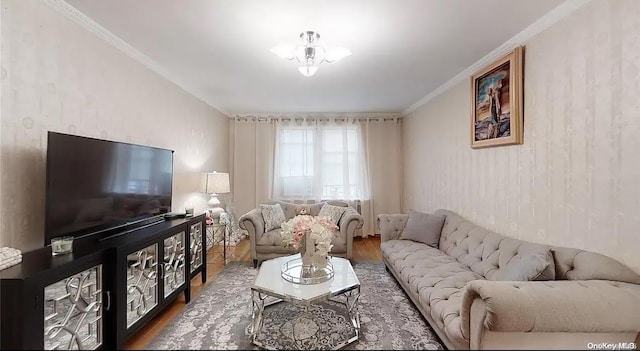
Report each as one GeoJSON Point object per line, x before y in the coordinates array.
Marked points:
{"type": "Point", "coordinates": [363, 249]}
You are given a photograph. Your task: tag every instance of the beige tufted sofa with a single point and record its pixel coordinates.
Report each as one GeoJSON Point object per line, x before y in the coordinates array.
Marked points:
{"type": "Point", "coordinates": [594, 298]}
{"type": "Point", "coordinates": [269, 245]}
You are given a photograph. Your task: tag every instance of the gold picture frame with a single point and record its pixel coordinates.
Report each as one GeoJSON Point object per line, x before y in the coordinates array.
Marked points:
{"type": "Point", "coordinates": [497, 102]}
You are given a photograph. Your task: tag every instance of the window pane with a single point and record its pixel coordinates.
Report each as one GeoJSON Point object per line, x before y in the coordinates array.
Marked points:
{"type": "Point", "coordinates": [352, 141]}
{"type": "Point", "coordinates": [297, 186]}
{"type": "Point", "coordinates": [332, 140]}
{"type": "Point", "coordinates": [292, 136]}
{"type": "Point", "coordinates": [332, 175]}
{"type": "Point", "coordinates": [297, 158]}
{"type": "Point", "coordinates": [332, 158]}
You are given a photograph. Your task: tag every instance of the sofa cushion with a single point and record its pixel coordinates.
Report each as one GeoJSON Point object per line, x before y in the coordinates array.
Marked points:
{"type": "Point", "coordinates": [271, 238]}
{"type": "Point", "coordinates": [485, 252]}
{"type": "Point", "coordinates": [434, 279]}
{"type": "Point", "coordinates": [423, 228]}
{"type": "Point", "coordinates": [271, 243]}
{"type": "Point", "coordinates": [333, 212]}
{"type": "Point", "coordinates": [289, 208]}
{"type": "Point", "coordinates": [339, 238]}
{"type": "Point", "coordinates": [526, 267]}
{"type": "Point", "coordinates": [271, 249]}
{"type": "Point", "coordinates": [273, 216]}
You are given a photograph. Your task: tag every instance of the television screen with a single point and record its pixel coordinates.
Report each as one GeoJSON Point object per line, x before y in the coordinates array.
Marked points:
{"type": "Point", "coordinates": [95, 185]}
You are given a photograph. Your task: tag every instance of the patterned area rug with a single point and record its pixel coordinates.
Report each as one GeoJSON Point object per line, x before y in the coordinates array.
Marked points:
{"type": "Point", "coordinates": [220, 316]}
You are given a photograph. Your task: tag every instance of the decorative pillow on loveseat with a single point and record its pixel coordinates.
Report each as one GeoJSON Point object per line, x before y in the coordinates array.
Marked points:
{"type": "Point", "coordinates": [423, 228]}
{"type": "Point", "coordinates": [333, 212]}
{"type": "Point", "coordinates": [273, 216]}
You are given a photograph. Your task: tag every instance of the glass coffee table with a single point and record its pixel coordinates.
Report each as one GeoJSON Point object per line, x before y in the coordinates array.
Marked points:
{"type": "Point", "coordinates": [270, 288]}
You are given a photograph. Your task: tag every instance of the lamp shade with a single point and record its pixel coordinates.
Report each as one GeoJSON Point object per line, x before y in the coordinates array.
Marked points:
{"type": "Point", "coordinates": [216, 183]}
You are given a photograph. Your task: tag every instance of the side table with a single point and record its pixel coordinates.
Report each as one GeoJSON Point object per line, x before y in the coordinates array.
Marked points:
{"type": "Point", "coordinates": [218, 241]}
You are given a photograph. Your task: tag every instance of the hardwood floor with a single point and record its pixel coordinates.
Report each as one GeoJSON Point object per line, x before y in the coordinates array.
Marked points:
{"type": "Point", "coordinates": [363, 249]}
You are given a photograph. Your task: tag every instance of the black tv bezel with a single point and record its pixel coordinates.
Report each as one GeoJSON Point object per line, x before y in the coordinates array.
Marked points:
{"type": "Point", "coordinates": [110, 231]}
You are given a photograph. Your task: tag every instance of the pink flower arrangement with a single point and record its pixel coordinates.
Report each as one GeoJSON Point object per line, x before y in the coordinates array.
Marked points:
{"type": "Point", "coordinates": [320, 229]}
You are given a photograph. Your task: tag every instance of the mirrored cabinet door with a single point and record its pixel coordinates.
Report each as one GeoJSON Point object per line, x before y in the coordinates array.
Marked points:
{"type": "Point", "coordinates": [73, 312]}
{"type": "Point", "coordinates": [174, 263]}
{"type": "Point", "coordinates": [142, 283]}
{"type": "Point", "coordinates": [195, 250]}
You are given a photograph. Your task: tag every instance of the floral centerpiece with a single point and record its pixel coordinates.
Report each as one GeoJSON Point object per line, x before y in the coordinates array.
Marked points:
{"type": "Point", "coordinates": [311, 236]}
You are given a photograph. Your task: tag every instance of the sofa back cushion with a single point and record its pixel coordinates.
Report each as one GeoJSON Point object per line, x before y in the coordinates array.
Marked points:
{"type": "Point", "coordinates": [574, 264]}
{"type": "Point", "coordinates": [290, 208]}
{"type": "Point", "coordinates": [485, 252]}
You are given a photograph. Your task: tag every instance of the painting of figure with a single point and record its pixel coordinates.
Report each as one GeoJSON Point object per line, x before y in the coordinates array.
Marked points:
{"type": "Point", "coordinates": [495, 90]}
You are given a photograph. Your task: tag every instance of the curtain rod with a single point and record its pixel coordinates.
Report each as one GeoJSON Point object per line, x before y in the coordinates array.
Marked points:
{"type": "Point", "coordinates": [315, 118]}
{"type": "Point", "coordinates": [320, 115]}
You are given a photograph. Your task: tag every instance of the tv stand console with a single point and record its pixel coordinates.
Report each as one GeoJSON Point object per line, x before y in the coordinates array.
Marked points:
{"type": "Point", "coordinates": [102, 293]}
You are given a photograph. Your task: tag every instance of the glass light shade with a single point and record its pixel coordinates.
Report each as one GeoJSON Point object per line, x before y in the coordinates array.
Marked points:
{"type": "Point", "coordinates": [308, 71]}
{"type": "Point", "coordinates": [336, 53]}
{"type": "Point", "coordinates": [310, 55]}
{"type": "Point", "coordinates": [216, 183]}
{"type": "Point", "coordinates": [320, 54]}
{"type": "Point", "coordinates": [299, 54]}
{"type": "Point", "coordinates": [284, 51]}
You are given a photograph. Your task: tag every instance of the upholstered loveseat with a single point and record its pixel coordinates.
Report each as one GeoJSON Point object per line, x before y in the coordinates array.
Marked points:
{"type": "Point", "coordinates": [594, 299]}
{"type": "Point", "coordinates": [267, 245]}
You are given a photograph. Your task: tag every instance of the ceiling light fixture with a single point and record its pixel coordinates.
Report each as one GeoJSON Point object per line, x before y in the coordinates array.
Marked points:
{"type": "Point", "coordinates": [309, 54]}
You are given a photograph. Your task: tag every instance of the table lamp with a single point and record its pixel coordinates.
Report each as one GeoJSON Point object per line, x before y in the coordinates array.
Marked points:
{"type": "Point", "coordinates": [216, 183]}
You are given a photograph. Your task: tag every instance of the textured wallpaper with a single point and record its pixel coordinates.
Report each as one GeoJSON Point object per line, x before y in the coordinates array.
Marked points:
{"type": "Point", "coordinates": [576, 179]}
{"type": "Point", "coordinates": [57, 76]}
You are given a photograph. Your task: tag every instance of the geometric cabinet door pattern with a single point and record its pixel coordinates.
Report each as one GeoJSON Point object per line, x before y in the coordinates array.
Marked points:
{"type": "Point", "coordinates": [73, 312]}
{"type": "Point", "coordinates": [142, 283]}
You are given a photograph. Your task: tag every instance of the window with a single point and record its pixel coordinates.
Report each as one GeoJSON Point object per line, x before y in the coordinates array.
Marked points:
{"type": "Point", "coordinates": [321, 163]}
{"type": "Point", "coordinates": [296, 163]}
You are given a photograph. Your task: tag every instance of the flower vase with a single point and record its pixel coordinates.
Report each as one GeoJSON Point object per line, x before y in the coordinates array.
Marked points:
{"type": "Point", "coordinates": [307, 247]}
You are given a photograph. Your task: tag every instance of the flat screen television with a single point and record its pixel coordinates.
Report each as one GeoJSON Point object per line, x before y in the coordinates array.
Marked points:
{"type": "Point", "coordinates": [98, 186]}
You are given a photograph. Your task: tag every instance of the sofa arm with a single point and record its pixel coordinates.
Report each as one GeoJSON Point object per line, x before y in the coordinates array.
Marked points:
{"type": "Point", "coordinates": [253, 223]}
{"type": "Point", "coordinates": [391, 225]}
{"type": "Point", "coordinates": [350, 221]}
{"type": "Point", "coordinates": [582, 306]}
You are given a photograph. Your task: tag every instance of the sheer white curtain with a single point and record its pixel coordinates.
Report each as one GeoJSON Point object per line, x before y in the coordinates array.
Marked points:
{"type": "Point", "coordinates": [319, 159]}
{"type": "Point", "coordinates": [357, 160]}
{"type": "Point", "coordinates": [381, 139]}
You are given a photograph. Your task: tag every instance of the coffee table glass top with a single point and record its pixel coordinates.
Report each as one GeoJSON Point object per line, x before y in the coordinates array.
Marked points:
{"type": "Point", "coordinates": [269, 281]}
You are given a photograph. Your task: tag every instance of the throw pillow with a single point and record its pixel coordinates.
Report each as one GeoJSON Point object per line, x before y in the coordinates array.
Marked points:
{"type": "Point", "coordinates": [273, 216]}
{"type": "Point", "coordinates": [423, 228]}
{"type": "Point", "coordinates": [527, 267]}
{"type": "Point", "coordinates": [333, 212]}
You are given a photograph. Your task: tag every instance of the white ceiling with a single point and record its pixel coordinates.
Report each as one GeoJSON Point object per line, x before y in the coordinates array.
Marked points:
{"type": "Point", "coordinates": [401, 49]}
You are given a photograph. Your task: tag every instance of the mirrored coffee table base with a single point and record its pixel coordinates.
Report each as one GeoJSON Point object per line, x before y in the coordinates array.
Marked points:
{"type": "Point", "coordinates": [270, 289]}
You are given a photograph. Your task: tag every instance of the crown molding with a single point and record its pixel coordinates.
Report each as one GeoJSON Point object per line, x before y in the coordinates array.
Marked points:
{"type": "Point", "coordinates": [92, 26]}
{"type": "Point", "coordinates": [347, 115]}
{"type": "Point", "coordinates": [544, 22]}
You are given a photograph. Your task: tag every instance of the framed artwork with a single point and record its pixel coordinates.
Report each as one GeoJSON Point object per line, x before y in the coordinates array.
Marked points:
{"type": "Point", "coordinates": [497, 104]}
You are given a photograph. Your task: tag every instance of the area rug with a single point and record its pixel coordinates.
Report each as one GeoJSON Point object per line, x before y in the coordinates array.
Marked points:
{"type": "Point", "coordinates": [220, 316]}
